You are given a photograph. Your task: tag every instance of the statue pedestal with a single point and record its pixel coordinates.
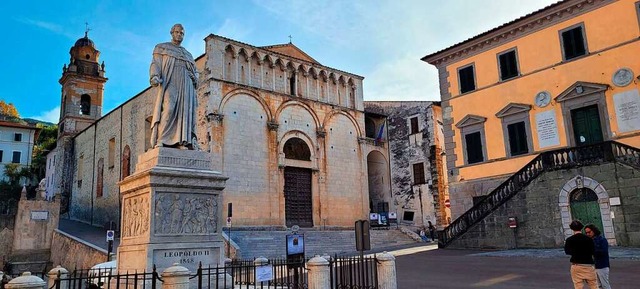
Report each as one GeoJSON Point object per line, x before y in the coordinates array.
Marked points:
{"type": "Point", "coordinates": [171, 212]}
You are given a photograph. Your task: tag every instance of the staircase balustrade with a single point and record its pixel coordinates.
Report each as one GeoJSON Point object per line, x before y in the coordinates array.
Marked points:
{"type": "Point", "coordinates": [564, 158]}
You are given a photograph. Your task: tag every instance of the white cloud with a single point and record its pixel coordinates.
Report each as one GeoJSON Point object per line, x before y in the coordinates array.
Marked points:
{"type": "Point", "coordinates": [49, 26]}
{"type": "Point", "coordinates": [52, 115]}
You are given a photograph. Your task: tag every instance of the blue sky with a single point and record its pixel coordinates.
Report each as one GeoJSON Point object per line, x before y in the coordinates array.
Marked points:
{"type": "Point", "coordinates": [380, 40]}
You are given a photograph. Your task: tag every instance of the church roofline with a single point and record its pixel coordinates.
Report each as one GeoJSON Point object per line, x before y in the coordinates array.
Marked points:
{"type": "Point", "coordinates": [280, 54]}
{"type": "Point", "coordinates": [291, 45]}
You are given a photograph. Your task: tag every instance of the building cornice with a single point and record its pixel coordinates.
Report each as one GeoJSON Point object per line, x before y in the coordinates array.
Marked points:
{"type": "Point", "coordinates": [536, 21]}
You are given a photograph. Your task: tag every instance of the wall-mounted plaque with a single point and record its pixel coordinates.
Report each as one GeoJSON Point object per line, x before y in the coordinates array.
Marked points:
{"type": "Point", "coordinates": [622, 77]}
{"type": "Point", "coordinates": [39, 215]}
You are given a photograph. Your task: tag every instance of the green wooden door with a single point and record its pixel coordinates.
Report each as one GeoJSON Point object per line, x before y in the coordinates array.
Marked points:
{"type": "Point", "coordinates": [585, 207]}
{"type": "Point", "coordinates": [586, 125]}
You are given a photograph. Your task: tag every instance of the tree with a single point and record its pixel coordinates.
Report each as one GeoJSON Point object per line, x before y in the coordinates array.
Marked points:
{"type": "Point", "coordinates": [8, 109]}
{"type": "Point", "coordinates": [44, 144]}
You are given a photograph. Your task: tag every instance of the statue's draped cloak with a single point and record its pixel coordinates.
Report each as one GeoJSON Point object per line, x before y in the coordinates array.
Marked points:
{"type": "Point", "coordinates": [173, 121]}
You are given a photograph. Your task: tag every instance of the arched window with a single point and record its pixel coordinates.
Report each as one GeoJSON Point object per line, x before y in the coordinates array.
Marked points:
{"type": "Point", "coordinates": [292, 84]}
{"type": "Point", "coordinates": [296, 149]}
{"type": "Point", "coordinates": [126, 162]}
{"type": "Point", "coordinates": [85, 104]}
{"type": "Point", "coordinates": [583, 195]}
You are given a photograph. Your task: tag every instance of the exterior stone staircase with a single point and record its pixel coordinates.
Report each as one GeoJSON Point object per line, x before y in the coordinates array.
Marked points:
{"type": "Point", "coordinates": [565, 158]}
{"type": "Point", "coordinates": [271, 244]}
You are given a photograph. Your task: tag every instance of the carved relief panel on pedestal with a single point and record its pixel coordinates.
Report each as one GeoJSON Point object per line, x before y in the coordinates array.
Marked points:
{"type": "Point", "coordinates": [136, 216]}
{"type": "Point", "coordinates": [185, 214]}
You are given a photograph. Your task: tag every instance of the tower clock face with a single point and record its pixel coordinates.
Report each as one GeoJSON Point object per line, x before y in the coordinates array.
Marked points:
{"type": "Point", "coordinates": [542, 99]}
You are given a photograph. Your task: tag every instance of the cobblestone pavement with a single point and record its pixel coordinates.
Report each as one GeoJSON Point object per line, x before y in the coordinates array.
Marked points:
{"type": "Point", "coordinates": [430, 267]}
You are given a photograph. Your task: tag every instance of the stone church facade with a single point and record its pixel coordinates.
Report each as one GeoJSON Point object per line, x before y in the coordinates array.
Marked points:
{"type": "Point", "coordinates": [286, 130]}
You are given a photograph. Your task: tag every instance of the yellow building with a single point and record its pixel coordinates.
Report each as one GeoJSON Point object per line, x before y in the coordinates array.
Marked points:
{"type": "Point", "coordinates": [538, 113]}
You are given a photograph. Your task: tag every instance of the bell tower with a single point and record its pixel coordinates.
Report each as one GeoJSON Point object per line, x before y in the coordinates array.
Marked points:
{"type": "Point", "coordinates": [82, 88]}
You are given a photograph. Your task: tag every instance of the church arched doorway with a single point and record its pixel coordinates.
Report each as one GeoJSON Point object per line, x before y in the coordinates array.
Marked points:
{"type": "Point", "coordinates": [585, 207]}
{"type": "Point", "coordinates": [297, 185]}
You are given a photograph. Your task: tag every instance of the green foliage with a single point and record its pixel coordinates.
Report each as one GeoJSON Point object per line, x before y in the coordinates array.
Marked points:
{"type": "Point", "coordinates": [44, 144]}
{"type": "Point", "coordinates": [15, 172]}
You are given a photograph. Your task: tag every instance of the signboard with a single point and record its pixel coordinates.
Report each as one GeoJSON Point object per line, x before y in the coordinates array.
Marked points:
{"type": "Point", "coordinates": [295, 250]}
{"type": "Point", "coordinates": [547, 129]}
{"type": "Point", "coordinates": [110, 235]}
{"type": "Point", "coordinates": [513, 223]}
{"type": "Point", "coordinates": [39, 215]}
{"type": "Point", "coordinates": [393, 216]}
{"type": "Point", "coordinates": [264, 273]}
{"type": "Point", "coordinates": [627, 105]}
{"type": "Point", "coordinates": [228, 221]}
{"type": "Point", "coordinates": [447, 203]}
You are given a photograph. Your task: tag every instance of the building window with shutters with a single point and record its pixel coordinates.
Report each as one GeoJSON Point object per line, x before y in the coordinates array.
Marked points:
{"type": "Point", "coordinates": [573, 42]}
{"type": "Point", "coordinates": [516, 129]}
{"type": "Point", "coordinates": [17, 136]}
{"type": "Point", "coordinates": [473, 141]}
{"type": "Point", "coordinates": [17, 155]}
{"type": "Point", "coordinates": [508, 64]}
{"type": "Point", "coordinates": [467, 78]}
{"type": "Point", "coordinates": [418, 174]}
{"type": "Point", "coordinates": [1, 155]}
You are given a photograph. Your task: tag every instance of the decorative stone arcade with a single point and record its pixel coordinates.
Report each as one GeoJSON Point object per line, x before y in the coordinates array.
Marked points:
{"type": "Point", "coordinates": [171, 212]}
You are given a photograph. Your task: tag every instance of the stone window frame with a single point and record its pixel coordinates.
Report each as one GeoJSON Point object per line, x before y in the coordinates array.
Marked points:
{"type": "Point", "coordinates": [111, 157]}
{"type": "Point", "coordinates": [570, 99]}
{"type": "Point", "coordinates": [518, 74]}
{"type": "Point", "coordinates": [475, 81]}
{"type": "Point", "coordinates": [424, 173]}
{"type": "Point", "coordinates": [584, 41]}
{"type": "Point", "coordinates": [515, 113]}
{"type": "Point", "coordinates": [468, 125]}
{"type": "Point", "coordinates": [417, 116]}
{"type": "Point", "coordinates": [579, 182]}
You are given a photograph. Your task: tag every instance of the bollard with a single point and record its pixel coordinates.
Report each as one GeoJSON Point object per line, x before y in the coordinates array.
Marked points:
{"type": "Point", "coordinates": [53, 276]}
{"type": "Point", "coordinates": [26, 281]}
{"type": "Point", "coordinates": [175, 277]}
{"type": "Point", "coordinates": [387, 271]}
{"type": "Point", "coordinates": [319, 273]}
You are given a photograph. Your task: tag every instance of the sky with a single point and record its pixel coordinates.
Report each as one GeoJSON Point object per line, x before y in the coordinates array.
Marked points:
{"type": "Point", "coordinates": [380, 40]}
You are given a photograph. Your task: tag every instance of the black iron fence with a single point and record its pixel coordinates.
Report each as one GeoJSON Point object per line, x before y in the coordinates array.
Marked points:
{"type": "Point", "coordinates": [564, 158]}
{"type": "Point", "coordinates": [345, 273]}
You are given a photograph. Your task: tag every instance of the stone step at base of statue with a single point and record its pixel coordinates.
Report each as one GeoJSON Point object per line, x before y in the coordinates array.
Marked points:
{"type": "Point", "coordinates": [271, 244]}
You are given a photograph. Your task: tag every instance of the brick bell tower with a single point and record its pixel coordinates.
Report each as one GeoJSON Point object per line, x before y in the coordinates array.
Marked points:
{"type": "Point", "coordinates": [81, 105]}
{"type": "Point", "coordinates": [82, 88]}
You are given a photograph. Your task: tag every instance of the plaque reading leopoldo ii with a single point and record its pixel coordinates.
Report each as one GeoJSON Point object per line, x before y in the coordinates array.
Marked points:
{"type": "Point", "coordinates": [188, 257]}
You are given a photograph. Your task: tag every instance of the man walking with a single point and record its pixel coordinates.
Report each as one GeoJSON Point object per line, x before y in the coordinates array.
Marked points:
{"type": "Point", "coordinates": [601, 255]}
{"type": "Point", "coordinates": [581, 249]}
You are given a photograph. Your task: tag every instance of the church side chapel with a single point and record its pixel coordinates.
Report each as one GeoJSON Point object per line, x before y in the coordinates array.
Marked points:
{"type": "Point", "coordinates": [287, 131]}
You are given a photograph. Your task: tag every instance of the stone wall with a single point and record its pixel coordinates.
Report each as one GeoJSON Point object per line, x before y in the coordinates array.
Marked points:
{"type": "Point", "coordinates": [6, 237]}
{"type": "Point", "coordinates": [539, 211]}
{"type": "Point", "coordinates": [462, 193]}
{"type": "Point", "coordinates": [84, 255]}
{"type": "Point", "coordinates": [33, 232]}
{"type": "Point", "coordinates": [405, 150]}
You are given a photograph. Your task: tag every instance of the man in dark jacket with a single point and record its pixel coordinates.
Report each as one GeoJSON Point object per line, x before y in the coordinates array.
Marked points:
{"type": "Point", "coordinates": [581, 249]}
{"type": "Point", "coordinates": [601, 255]}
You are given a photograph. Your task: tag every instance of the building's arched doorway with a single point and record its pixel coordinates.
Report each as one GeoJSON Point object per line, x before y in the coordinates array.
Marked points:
{"type": "Point", "coordinates": [378, 179]}
{"type": "Point", "coordinates": [297, 185]}
{"type": "Point", "coordinates": [585, 208]}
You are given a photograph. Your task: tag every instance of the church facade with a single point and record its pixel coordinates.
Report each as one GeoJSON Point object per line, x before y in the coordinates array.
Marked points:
{"type": "Point", "coordinates": [286, 130]}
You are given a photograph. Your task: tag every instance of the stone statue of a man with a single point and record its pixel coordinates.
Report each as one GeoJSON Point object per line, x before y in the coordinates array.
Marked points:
{"type": "Point", "coordinates": [173, 74]}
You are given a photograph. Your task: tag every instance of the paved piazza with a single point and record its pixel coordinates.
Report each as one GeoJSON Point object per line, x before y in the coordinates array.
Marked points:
{"type": "Point", "coordinates": [429, 267]}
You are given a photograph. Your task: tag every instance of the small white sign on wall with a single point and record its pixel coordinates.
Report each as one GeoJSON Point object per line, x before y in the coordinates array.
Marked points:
{"type": "Point", "coordinates": [614, 201]}
{"type": "Point", "coordinates": [547, 129]}
{"type": "Point", "coordinates": [39, 215]}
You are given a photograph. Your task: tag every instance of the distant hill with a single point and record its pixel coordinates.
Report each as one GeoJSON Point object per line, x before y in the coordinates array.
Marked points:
{"type": "Point", "coordinates": [35, 121]}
